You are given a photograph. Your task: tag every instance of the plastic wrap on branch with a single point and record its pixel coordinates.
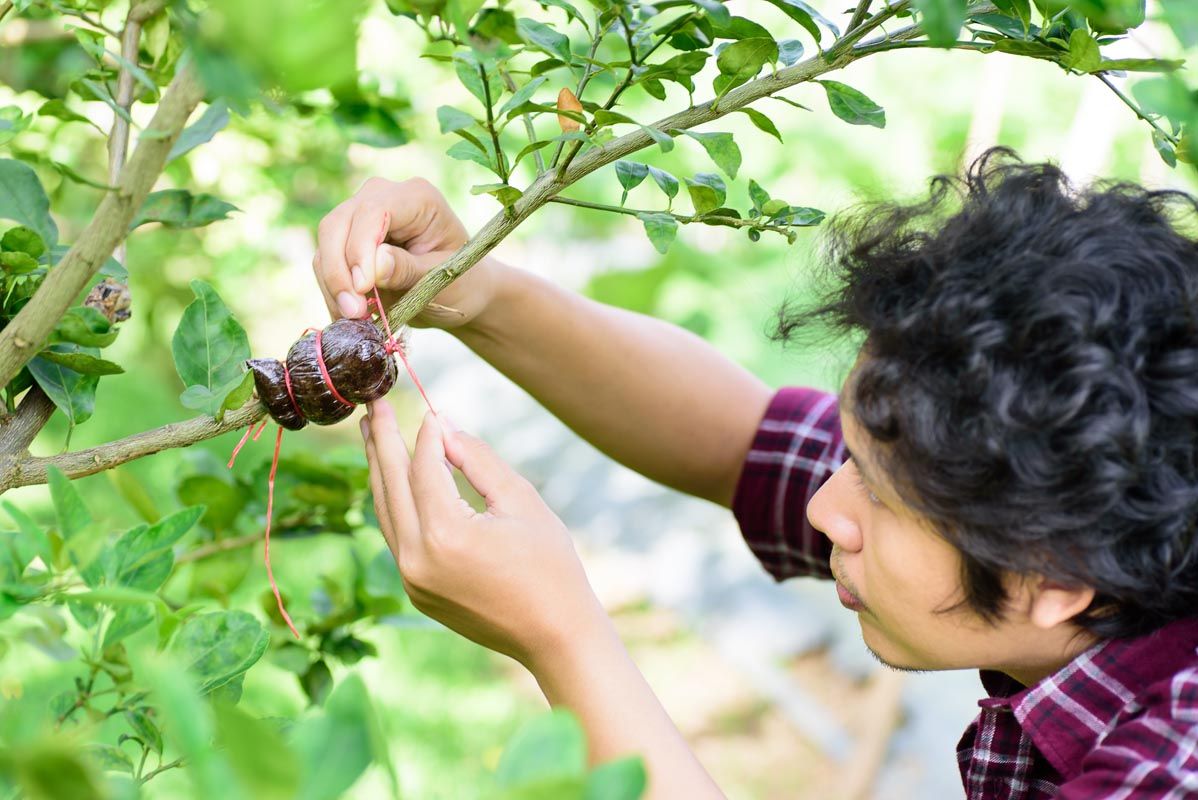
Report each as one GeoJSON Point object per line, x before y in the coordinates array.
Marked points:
{"type": "Point", "coordinates": [326, 374]}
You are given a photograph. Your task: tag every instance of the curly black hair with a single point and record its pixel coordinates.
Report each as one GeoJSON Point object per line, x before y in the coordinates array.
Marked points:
{"type": "Point", "coordinates": [1030, 370]}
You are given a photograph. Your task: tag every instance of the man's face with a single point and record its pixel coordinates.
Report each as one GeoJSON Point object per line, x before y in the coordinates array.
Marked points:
{"type": "Point", "coordinates": [904, 581]}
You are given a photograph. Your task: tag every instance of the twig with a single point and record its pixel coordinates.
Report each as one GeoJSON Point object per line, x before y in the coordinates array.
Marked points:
{"type": "Point", "coordinates": [859, 15]}
{"type": "Point", "coordinates": [1134, 107]}
{"type": "Point", "coordinates": [528, 128]}
{"type": "Point", "coordinates": [176, 763]}
{"type": "Point", "coordinates": [218, 547]}
{"type": "Point", "coordinates": [25, 335]}
{"type": "Point", "coordinates": [730, 222]}
{"type": "Point", "coordinates": [491, 123]}
{"type": "Point", "coordinates": [16, 471]}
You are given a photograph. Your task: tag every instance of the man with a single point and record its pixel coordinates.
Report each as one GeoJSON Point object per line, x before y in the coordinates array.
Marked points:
{"type": "Point", "coordinates": [1020, 498]}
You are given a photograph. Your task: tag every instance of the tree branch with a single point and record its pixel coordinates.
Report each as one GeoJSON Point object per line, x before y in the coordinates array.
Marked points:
{"type": "Point", "coordinates": [26, 334]}
{"type": "Point", "coordinates": [859, 15]}
{"type": "Point", "coordinates": [551, 183]}
{"type": "Point", "coordinates": [16, 471]}
{"type": "Point", "coordinates": [22, 427]}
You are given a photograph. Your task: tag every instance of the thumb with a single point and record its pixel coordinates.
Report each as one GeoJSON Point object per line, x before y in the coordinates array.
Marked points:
{"type": "Point", "coordinates": [492, 477]}
{"type": "Point", "coordinates": [398, 270]}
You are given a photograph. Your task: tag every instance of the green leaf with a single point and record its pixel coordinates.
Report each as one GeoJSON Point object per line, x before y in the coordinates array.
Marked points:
{"type": "Point", "coordinates": [623, 779]}
{"type": "Point", "coordinates": [1019, 9]}
{"type": "Point", "coordinates": [99, 92]}
{"type": "Point", "coordinates": [59, 110]}
{"type": "Point", "coordinates": [720, 16]}
{"type": "Point", "coordinates": [772, 207]}
{"type": "Point", "coordinates": [942, 20]}
{"type": "Point", "coordinates": [23, 200]}
{"type": "Point", "coordinates": [210, 348]}
{"type": "Point", "coordinates": [145, 729]}
{"type": "Point", "coordinates": [237, 396]}
{"type": "Point", "coordinates": [452, 119]}
{"type": "Point", "coordinates": [85, 326]}
{"type": "Point", "coordinates": [661, 228]}
{"type": "Point", "coordinates": [371, 123]}
{"type": "Point", "coordinates": [742, 60]}
{"type": "Point", "coordinates": [218, 647]}
{"type": "Point", "coordinates": [790, 51]}
{"type": "Point", "coordinates": [1084, 55]}
{"type": "Point", "coordinates": [806, 16]}
{"type": "Point", "coordinates": [127, 620]}
{"type": "Point", "coordinates": [522, 95]}
{"type": "Point", "coordinates": [142, 558]}
{"type": "Point", "coordinates": [665, 181]}
{"type": "Point", "coordinates": [188, 723]}
{"type": "Point", "coordinates": [223, 500]}
{"type": "Point", "coordinates": [80, 361]}
{"type": "Point", "coordinates": [316, 681]}
{"type": "Point", "coordinates": [73, 516]}
{"type": "Point", "coordinates": [739, 28]}
{"type": "Point", "coordinates": [468, 151]}
{"type": "Point", "coordinates": [33, 540]}
{"type": "Point", "coordinates": [109, 758]}
{"type": "Point", "coordinates": [336, 747]}
{"type": "Point", "coordinates": [179, 208]}
{"type": "Point", "coordinates": [544, 38]}
{"type": "Point", "coordinates": [630, 174]}
{"type": "Point", "coordinates": [722, 150]}
{"type": "Point", "coordinates": [1140, 65]}
{"type": "Point", "coordinates": [800, 216]}
{"type": "Point", "coordinates": [548, 747]}
{"type": "Point", "coordinates": [762, 122]}
{"type": "Point", "coordinates": [757, 195]}
{"type": "Point", "coordinates": [18, 263]}
{"type": "Point", "coordinates": [73, 393]}
{"type": "Point", "coordinates": [852, 106]}
{"type": "Point", "coordinates": [707, 191]}
{"type": "Point", "coordinates": [1164, 148]}
{"type": "Point", "coordinates": [267, 766]}
{"type": "Point", "coordinates": [505, 194]}
{"type": "Point", "coordinates": [211, 122]}
{"type": "Point", "coordinates": [23, 240]}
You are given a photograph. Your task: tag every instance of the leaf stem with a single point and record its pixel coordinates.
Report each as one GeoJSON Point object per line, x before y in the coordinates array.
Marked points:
{"type": "Point", "coordinates": [528, 127]}
{"type": "Point", "coordinates": [582, 84]}
{"type": "Point", "coordinates": [178, 762]}
{"type": "Point", "coordinates": [218, 547]}
{"type": "Point", "coordinates": [859, 15]}
{"type": "Point", "coordinates": [1136, 108]}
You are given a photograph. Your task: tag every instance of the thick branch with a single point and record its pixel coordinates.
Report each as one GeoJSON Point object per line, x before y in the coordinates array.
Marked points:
{"type": "Point", "coordinates": [28, 331]}
{"type": "Point", "coordinates": [22, 427]}
{"type": "Point", "coordinates": [16, 471]}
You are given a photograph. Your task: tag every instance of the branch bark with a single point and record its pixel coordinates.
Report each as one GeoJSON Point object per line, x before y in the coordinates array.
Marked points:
{"type": "Point", "coordinates": [16, 471]}
{"type": "Point", "coordinates": [22, 338]}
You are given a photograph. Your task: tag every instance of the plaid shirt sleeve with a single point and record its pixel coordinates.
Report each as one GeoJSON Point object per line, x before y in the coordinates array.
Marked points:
{"type": "Point", "coordinates": [797, 447]}
{"type": "Point", "coordinates": [1153, 755]}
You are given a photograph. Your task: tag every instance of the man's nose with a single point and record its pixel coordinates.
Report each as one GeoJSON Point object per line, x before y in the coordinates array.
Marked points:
{"type": "Point", "coordinates": [835, 510]}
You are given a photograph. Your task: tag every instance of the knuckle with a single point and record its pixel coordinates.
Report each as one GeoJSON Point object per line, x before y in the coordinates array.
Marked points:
{"type": "Point", "coordinates": [375, 184]}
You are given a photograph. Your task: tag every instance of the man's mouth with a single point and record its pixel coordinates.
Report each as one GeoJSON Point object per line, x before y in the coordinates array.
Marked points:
{"type": "Point", "coordinates": [848, 599]}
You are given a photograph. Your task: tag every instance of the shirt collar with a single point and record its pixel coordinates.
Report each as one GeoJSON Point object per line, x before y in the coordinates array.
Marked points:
{"type": "Point", "coordinates": [1069, 711]}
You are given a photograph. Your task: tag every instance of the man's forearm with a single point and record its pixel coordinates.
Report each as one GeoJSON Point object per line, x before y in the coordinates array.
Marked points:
{"type": "Point", "coordinates": [649, 394]}
{"type": "Point", "coordinates": [595, 678]}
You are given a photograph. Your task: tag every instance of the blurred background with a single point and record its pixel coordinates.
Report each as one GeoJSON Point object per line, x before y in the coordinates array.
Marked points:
{"type": "Point", "coordinates": [768, 682]}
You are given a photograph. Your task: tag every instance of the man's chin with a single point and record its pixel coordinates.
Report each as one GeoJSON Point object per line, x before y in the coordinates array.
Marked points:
{"type": "Point", "coordinates": [884, 655]}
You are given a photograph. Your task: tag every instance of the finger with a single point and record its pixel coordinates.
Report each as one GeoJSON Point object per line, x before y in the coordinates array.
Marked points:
{"type": "Point", "coordinates": [378, 490]}
{"type": "Point", "coordinates": [334, 312]}
{"type": "Point", "coordinates": [334, 272]}
{"type": "Point", "coordinates": [366, 232]}
{"type": "Point", "coordinates": [392, 456]}
{"type": "Point", "coordinates": [491, 476]}
{"type": "Point", "coordinates": [397, 269]}
{"type": "Point", "coordinates": [433, 487]}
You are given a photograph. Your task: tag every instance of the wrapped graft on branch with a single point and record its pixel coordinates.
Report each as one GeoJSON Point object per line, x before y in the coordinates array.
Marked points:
{"type": "Point", "coordinates": [326, 374]}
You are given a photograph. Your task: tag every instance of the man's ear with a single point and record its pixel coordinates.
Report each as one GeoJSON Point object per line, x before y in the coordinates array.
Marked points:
{"type": "Point", "coordinates": [1053, 603]}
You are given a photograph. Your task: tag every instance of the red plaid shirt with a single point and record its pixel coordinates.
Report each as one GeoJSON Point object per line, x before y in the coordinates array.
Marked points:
{"type": "Point", "coordinates": [1118, 721]}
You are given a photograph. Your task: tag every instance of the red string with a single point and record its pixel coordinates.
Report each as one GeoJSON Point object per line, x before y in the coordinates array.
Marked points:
{"type": "Point", "coordinates": [245, 438]}
{"type": "Point", "coordinates": [270, 502]}
{"type": "Point", "coordinates": [324, 373]}
{"type": "Point", "coordinates": [261, 428]}
{"type": "Point", "coordinates": [290, 393]}
{"type": "Point", "coordinates": [392, 345]}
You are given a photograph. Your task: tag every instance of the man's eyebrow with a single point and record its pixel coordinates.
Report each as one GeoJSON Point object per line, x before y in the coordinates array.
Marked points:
{"type": "Point", "coordinates": [859, 465]}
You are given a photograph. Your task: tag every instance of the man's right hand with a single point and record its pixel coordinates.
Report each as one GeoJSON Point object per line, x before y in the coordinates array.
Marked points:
{"type": "Point", "coordinates": [421, 232]}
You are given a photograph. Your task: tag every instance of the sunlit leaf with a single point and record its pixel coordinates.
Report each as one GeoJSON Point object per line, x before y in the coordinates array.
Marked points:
{"type": "Point", "coordinates": [23, 200]}
{"type": "Point", "coordinates": [179, 208]}
{"type": "Point", "coordinates": [210, 348]}
{"type": "Point", "coordinates": [852, 106]}
{"type": "Point", "coordinates": [661, 229]}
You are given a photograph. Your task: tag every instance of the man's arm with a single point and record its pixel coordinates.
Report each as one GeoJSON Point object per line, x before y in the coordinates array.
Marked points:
{"type": "Point", "coordinates": [649, 394]}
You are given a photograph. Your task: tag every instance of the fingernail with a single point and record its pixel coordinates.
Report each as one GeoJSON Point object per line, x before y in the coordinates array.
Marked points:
{"type": "Point", "coordinates": [348, 303]}
{"type": "Point", "coordinates": [364, 426]}
{"type": "Point", "coordinates": [384, 264]}
{"type": "Point", "coordinates": [359, 279]}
